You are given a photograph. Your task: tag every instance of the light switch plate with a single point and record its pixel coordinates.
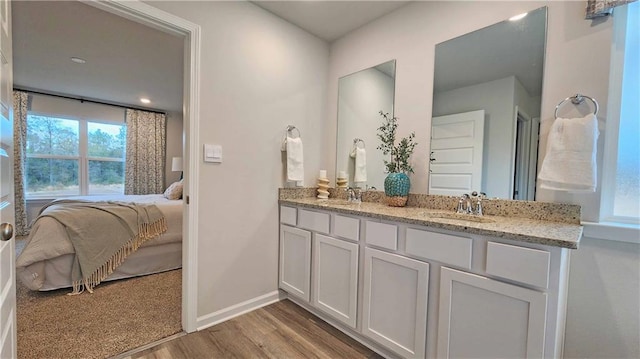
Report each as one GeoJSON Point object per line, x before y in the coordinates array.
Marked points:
{"type": "Point", "coordinates": [213, 153]}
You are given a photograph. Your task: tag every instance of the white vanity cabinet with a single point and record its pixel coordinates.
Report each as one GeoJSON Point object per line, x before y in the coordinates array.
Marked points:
{"type": "Point", "coordinates": [395, 302]}
{"type": "Point", "coordinates": [335, 280]}
{"type": "Point", "coordinates": [413, 291]}
{"type": "Point", "coordinates": [295, 261]}
{"type": "Point", "coordinates": [319, 268]}
{"type": "Point", "coordinates": [485, 318]}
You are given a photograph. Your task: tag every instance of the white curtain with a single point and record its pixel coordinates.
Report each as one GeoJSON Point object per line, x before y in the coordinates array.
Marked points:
{"type": "Point", "coordinates": [146, 136]}
{"type": "Point", "coordinates": [20, 108]}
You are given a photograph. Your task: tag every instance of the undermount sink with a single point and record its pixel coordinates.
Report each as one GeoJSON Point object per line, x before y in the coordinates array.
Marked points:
{"type": "Point", "coordinates": [342, 202]}
{"type": "Point", "coordinates": [458, 216]}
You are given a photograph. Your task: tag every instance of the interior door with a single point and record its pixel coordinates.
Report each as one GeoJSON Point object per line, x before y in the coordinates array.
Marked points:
{"type": "Point", "coordinates": [7, 246]}
{"type": "Point", "coordinates": [456, 153]}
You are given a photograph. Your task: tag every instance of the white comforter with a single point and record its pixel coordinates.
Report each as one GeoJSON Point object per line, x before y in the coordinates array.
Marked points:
{"type": "Point", "coordinates": [48, 239]}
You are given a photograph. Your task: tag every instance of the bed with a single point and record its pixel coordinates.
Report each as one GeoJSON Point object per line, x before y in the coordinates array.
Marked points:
{"type": "Point", "coordinates": [46, 261]}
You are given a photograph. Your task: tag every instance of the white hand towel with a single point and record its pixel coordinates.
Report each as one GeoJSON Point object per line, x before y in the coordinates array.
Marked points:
{"type": "Point", "coordinates": [361, 165]}
{"type": "Point", "coordinates": [295, 168]}
{"type": "Point", "coordinates": [570, 161]}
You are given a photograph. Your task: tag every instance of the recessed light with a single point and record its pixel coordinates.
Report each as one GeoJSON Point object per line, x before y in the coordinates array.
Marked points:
{"type": "Point", "coordinates": [145, 100]}
{"type": "Point", "coordinates": [518, 17]}
{"type": "Point", "coordinates": [78, 60]}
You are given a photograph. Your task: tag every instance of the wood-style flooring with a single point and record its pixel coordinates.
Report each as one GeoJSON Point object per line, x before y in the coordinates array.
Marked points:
{"type": "Point", "coordinates": [280, 330]}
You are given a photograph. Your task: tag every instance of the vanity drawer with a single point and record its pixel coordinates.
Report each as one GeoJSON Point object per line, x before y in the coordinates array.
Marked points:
{"type": "Point", "coordinates": [521, 264]}
{"type": "Point", "coordinates": [288, 215]}
{"type": "Point", "coordinates": [440, 247]}
{"type": "Point", "coordinates": [382, 235]}
{"type": "Point", "coordinates": [346, 227]}
{"type": "Point", "coordinates": [314, 221]}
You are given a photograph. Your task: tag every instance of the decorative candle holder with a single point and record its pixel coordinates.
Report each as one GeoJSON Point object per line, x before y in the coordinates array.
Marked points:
{"type": "Point", "coordinates": [323, 188]}
{"type": "Point", "coordinates": [342, 182]}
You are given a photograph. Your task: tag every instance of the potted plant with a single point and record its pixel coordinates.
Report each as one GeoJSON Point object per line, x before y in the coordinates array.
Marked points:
{"type": "Point", "coordinates": [397, 184]}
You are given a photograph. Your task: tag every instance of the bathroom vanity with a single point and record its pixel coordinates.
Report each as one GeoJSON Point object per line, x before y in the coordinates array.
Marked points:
{"type": "Point", "coordinates": [420, 282]}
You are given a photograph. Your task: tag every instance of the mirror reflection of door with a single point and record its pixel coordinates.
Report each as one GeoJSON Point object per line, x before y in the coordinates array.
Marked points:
{"type": "Point", "coordinates": [457, 143]}
{"type": "Point", "coordinates": [526, 156]}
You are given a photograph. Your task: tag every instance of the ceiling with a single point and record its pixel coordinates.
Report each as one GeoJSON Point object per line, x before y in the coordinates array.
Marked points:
{"type": "Point", "coordinates": [330, 20]}
{"type": "Point", "coordinates": [125, 60]}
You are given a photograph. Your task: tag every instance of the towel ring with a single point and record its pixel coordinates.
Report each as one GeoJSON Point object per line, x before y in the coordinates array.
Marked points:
{"type": "Point", "coordinates": [576, 100]}
{"type": "Point", "coordinates": [358, 140]}
{"type": "Point", "coordinates": [288, 130]}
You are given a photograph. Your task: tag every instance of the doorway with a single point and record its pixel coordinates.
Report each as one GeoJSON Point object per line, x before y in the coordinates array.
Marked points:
{"type": "Point", "coordinates": [149, 16]}
{"type": "Point", "coordinates": [526, 157]}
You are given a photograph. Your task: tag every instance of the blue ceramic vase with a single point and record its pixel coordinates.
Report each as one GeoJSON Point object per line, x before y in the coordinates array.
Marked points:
{"type": "Point", "coordinates": [396, 188]}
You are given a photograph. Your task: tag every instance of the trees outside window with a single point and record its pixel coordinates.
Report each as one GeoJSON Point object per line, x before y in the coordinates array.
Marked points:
{"type": "Point", "coordinates": [74, 157]}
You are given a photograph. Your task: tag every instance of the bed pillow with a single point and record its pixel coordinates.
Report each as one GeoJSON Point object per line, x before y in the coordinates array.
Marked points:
{"type": "Point", "coordinates": [174, 191]}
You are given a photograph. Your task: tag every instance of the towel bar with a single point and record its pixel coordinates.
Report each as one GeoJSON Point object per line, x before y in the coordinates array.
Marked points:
{"type": "Point", "coordinates": [576, 100]}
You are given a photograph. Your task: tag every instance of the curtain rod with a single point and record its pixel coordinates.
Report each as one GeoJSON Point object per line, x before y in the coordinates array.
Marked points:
{"type": "Point", "coordinates": [88, 100]}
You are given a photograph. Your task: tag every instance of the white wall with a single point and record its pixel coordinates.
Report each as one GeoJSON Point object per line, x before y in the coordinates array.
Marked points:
{"type": "Point", "coordinates": [577, 60]}
{"type": "Point", "coordinates": [497, 99]}
{"type": "Point", "coordinates": [603, 313]}
{"type": "Point", "coordinates": [75, 109]}
{"type": "Point", "coordinates": [525, 101]}
{"type": "Point", "coordinates": [258, 74]}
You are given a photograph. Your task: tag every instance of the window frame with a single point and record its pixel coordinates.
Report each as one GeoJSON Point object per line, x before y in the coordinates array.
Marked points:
{"type": "Point", "coordinates": [83, 157]}
{"type": "Point", "coordinates": [609, 226]}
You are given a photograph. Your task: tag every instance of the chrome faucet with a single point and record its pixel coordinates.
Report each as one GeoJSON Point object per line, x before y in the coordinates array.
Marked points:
{"type": "Point", "coordinates": [465, 203]}
{"type": "Point", "coordinates": [354, 195]}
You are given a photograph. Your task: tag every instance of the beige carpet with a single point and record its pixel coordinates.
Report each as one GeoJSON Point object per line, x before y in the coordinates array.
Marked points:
{"type": "Point", "coordinates": [117, 317]}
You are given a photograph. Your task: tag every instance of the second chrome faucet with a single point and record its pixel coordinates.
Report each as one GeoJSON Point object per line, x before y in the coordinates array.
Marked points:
{"type": "Point", "coordinates": [466, 206]}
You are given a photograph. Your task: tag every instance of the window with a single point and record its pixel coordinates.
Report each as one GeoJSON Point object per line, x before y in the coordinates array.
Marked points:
{"type": "Point", "coordinates": [68, 157]}
{"type": "Point", "coordinates": [621, 172]}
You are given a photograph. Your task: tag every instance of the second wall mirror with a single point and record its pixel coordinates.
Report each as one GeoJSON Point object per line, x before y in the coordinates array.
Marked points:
{"type": "Point", "coordinates": [486, 109]}
{"type": "Point", "coordinates": [361, 96]}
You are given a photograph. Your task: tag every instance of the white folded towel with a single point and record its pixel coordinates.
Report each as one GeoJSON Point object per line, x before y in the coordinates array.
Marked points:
{"type": "Point", "coordinates": [360, 174]}
{"type": "Point", "coordinates": [295, 168]}
{"type": "Point", "coordinates": [570, 161]}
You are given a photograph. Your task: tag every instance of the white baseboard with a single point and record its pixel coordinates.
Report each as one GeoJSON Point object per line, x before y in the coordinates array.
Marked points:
{"type": "Point", "coordinates": [233, 311]}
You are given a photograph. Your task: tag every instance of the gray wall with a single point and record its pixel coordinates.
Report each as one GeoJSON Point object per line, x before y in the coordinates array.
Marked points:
{"type": "Point", "coordinates": [258, 75]}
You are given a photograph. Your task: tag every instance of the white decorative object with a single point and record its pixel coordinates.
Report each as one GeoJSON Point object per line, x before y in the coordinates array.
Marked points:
{"type": "Point", "coordinates": [323, 186]}
{"type": "Point", "coordinates": [342, 181]}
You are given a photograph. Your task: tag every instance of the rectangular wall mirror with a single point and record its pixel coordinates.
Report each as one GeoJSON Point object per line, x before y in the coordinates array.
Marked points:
{"type": "Point", "coordinates": [361, 96]}
{"type": "Point", "coordinates": [486, 109]}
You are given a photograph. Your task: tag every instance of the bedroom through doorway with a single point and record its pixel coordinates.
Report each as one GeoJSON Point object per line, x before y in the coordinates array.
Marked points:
{"type": "Point", "coordinates": [141, 299]}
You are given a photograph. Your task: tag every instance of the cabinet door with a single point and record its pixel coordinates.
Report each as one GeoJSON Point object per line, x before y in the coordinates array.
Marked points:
{"type": "Point", "coordinates": [485, 318]}
{"type": "Point", "coordinates": [395, 302]}
{"type": "Point", "coordinates": [295, 261]}
{"type": "Point", "coordinates": [335, 286]}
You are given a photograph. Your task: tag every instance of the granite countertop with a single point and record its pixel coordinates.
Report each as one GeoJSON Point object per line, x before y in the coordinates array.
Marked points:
{"type": "Point", "coordinates": [558, 234]}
